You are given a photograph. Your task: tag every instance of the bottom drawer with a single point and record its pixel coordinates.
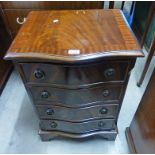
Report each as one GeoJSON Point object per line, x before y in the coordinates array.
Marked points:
{"type": "Point", "coordinates": [106, 135]}
{"type": "Point", "coordinates": [82, 127]}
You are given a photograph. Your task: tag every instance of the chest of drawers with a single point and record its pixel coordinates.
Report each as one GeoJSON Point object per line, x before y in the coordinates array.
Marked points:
{"type": "Point", "coordinates": [75, 66]}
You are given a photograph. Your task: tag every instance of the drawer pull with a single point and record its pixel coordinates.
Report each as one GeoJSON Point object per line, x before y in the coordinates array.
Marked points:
{"type": "Point", "coordinates": [101, 124]}
{"type": "Point", "coordinates": [103, 110]}
{"type": "Point", "coordinates": [109, 72]}
{"type": "Point", "coordinates": [106, 93]}
{"type": "Point", "coordinates": [39, 74]}
{"type": "Point", "coordinates": [49, 111]}
{"type": "Point", "coordinates": [19, 21]}
{"type": "Point", "coordinates": [45, 94]}
{"type": "Point", "coordinates": [53, 125]}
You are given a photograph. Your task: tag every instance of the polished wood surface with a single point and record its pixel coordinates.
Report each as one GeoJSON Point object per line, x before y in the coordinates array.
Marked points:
{"type": "Point", "coordinates": [105, 135]}
{"type": "Point", "coordinates": [141, 132]}
{"type": "Point", "coordinates": [77, 114]}
{"type": "Point", "coordinates": [5, 66]}
{"type": "Point", "coordinates": [80, 75]}
{"type": "Point", "coordinates": [74, 35]}
{"type": "Point", "coordinates": [52, 5]}
{"type": "Point", "coordinates": [73, 99]}
{"type": "Point", "coordinates": [130, 141]}
{"type": "Point", "coordinates": [77, 128]}
{"type": "Point", "coordinates": [77, 96]}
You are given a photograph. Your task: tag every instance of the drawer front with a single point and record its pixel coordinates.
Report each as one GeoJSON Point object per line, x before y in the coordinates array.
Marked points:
{"type": "Point", "coordinates": [77, 97]}
{"type": "Point", "coordinates": [77, 114]}
{"type": "Point", "coordinates": [75, 75]}
{"type": "Point", "coordinates": [52, 5]}
{"type": "Point", "coordinates": [83, 127]}
{"type": "Point", "coordinates": [16, 18]}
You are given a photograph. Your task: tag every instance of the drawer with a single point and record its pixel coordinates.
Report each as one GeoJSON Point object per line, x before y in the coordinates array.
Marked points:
{"type": "Point", "coordinates": [77, 114]}
{"type": "Point", "coordinates": [52, 5]}
{"type": "Point", "coordinates": [27, 5]}
{"type": "Point", "coordinates": [82, 127]}
{"type": "Point", "coordinates": [76, 75]}
{"type": "Point", "coordinates": [77, 97]}
{"type": "Point", "coordinates": [16, 18]}
{"type": "Point", "coordinates": [105, 135]}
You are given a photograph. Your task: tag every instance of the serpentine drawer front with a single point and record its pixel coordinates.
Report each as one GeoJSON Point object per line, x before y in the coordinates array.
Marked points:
{"type": "Point", "coordinates": [77, 114]}
{"type": "Point", "coordinates": [83, 127]}
{"type": "Point", "coordinates": [64, 75]}
{"type": "Point", "coordinates": [77, 96]}
{"type": "Point", "coordinates": [75, 65]}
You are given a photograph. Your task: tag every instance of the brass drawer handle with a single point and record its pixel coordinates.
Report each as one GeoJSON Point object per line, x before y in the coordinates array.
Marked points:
{"type": "Point", "coordinates": [103, 110]}
{"type": "Point", "coordinates": [53, 124]}
{"type": "Point", "coordinates": [19, 21]}
{"type": "Point", "coordinates": [39, 74]}
{"type": "Point", "coordinates": [101, 124]}
{"type": "Point", "coordinates": [49, 111]}
{"type": "Point", "coordinates": [109, 72]}
{"type": "Point", "coordinates": [106, 93]}
{"type": "Point", "coordinates": [45, 94]}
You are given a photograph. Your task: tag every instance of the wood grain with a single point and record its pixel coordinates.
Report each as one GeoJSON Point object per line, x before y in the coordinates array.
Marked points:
{"type": "Point", "coordinates": [77, 128]}
{"type": "Point", "coordinates": [56, 5]}
{"type": "Point", "coordinates": [77, 114]}
{"type": "Point", "coordinates": [45, 38]}
{"type": "Point", "coordinates": [142, 127]}
{"type": "Point", "coordinates": [76, 76]}
{"type": "Point", "coordinates": [105, 135]}
{"type": "Point", "coordinates": [49, 35]}
{"type": "Point", "coordinates": [77, 97]}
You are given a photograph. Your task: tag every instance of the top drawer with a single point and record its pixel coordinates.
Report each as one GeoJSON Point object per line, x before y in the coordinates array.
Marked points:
{"type": "Point", "coordinates": [76, 75]}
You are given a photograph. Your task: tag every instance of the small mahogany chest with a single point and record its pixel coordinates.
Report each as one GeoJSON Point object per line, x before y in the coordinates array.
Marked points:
{"type": "Point", "coordinates": [75, 66]}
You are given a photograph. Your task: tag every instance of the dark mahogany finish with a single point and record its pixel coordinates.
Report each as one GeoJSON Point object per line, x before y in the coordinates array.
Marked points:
{"type": "Point", "coordinates": [5, 67]}
{"type": "Point", "coordinates": [77, 97]}
{"type": "Point", "coordinates": [141, 133]}
{"type": "Point", "coordinates": [75, 66]}
{"type": "Point", "coordinates": [78, 128]}
{"type": "Point", "coordinates": [72, 36]}
{"type": "Point", "coordinates": [56, 5]}
{"type": "Point", "coordinates": [104, 134]}
{"type": "Point", "coordinates": [77, 75]}
{"type": "Point", "coordinates": [77, 114]}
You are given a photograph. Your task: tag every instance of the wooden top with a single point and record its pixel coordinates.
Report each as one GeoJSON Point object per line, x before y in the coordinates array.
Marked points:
{"type": "Point", "coordinates": [74, 35]}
